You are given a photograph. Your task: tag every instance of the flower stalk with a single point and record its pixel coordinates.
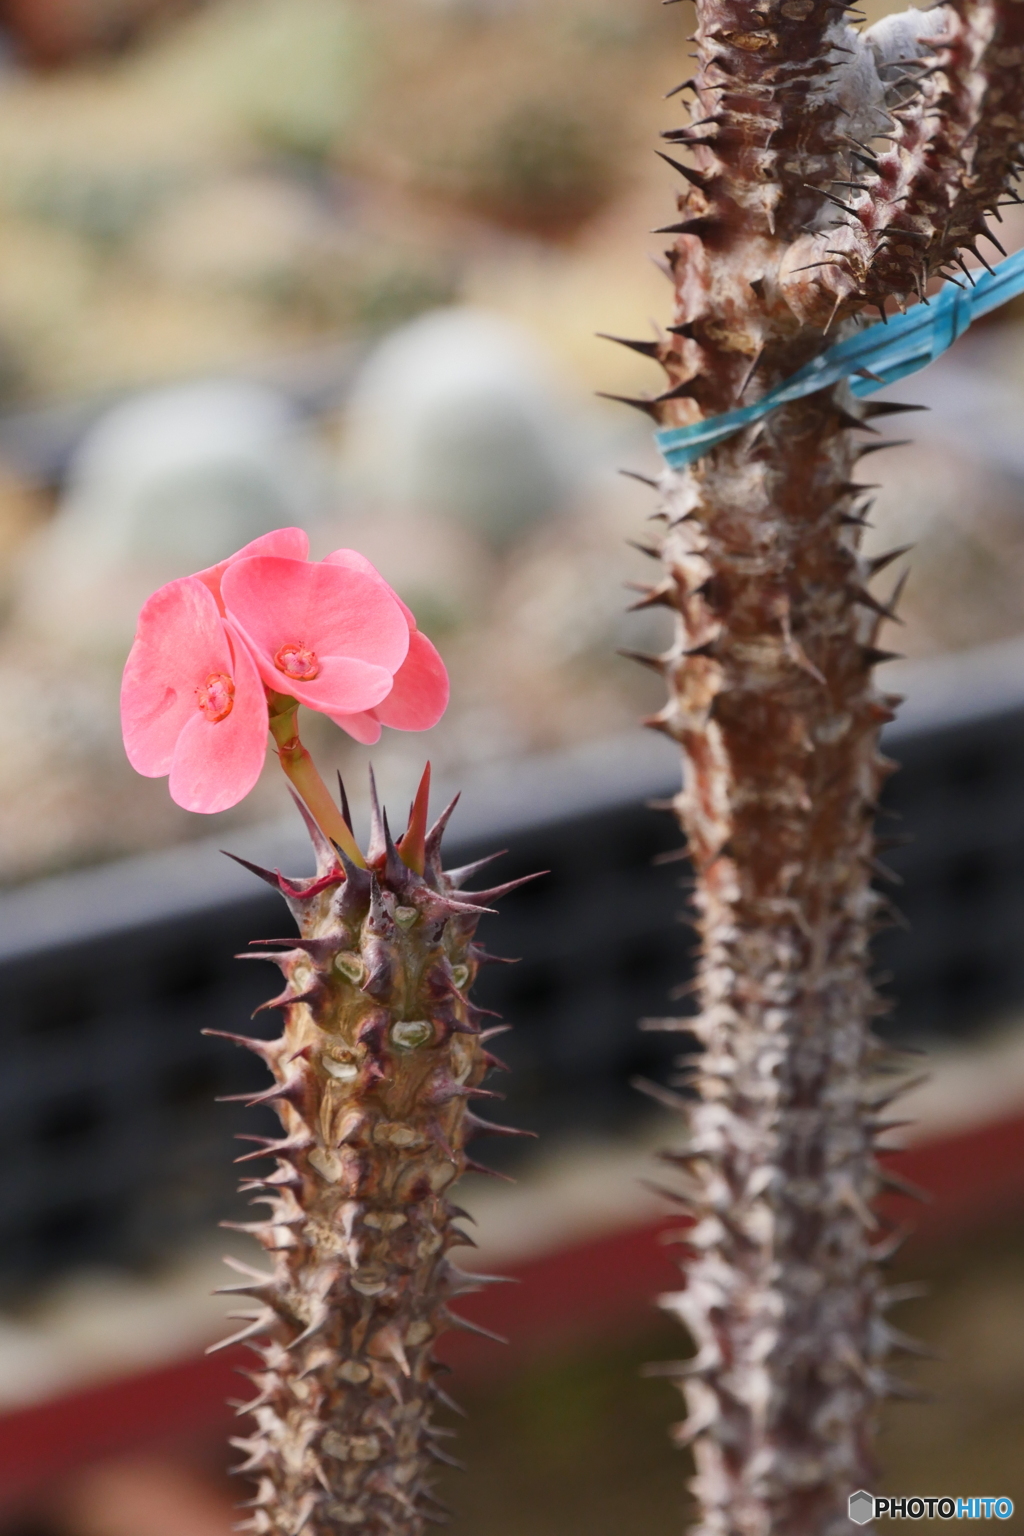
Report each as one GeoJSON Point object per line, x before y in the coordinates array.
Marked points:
{"type": "Point", "coordinates": [303, 774]}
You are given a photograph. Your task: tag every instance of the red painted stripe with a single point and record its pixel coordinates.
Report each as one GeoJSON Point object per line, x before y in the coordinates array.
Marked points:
{"type": "Point", "coordinates": [974, 1178]}
{"type": "Point", "coordinates": [591, 1287]}
{"type": "Point", "coordinates": [49, 1438]}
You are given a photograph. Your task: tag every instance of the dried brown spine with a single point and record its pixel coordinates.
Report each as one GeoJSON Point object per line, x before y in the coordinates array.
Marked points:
{"type": "Point", "coordinates": [380, 1056]}
{"type": "Point", "coordinates": [772, 701]}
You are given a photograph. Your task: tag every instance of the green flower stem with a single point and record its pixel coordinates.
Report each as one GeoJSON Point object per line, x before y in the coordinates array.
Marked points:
{"type": "Point", "coordinates": [302, 772]}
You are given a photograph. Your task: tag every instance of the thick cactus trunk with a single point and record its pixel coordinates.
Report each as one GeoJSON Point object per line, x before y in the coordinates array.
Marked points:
{"type": "Point", "coordinates": [773, 705]}
{"type": "Point", "coordinates": [772, 700]}
{"type": "Point", "coordinates": [380, 1053]}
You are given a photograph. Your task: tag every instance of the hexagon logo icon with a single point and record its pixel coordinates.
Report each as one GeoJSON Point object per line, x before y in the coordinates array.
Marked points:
{"type": "Point", "coordinates": [861, 1506]}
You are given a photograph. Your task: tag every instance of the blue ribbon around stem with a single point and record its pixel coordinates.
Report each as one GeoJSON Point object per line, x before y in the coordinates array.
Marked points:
{"type": "Point", "coordinates": [878, 355]}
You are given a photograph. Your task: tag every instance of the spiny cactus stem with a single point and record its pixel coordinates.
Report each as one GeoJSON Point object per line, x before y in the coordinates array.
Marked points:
{"type": "Point", "coordinates": [772, 702]}
{"type": "Point", "coordinates": [380, 1056]}
{"type": "Point", "coordinates": [302, 771]}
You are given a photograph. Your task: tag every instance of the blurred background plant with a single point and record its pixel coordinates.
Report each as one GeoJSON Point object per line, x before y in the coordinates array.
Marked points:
{"type": "Point", "coordinates": [341, 263]}
{"type": "Point", "coordinates": [396, 227]}
{"type": "Point", "coordinates": [259, 192]}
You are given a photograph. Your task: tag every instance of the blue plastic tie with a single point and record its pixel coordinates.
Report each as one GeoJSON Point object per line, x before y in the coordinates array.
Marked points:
{"type": "Point", "coordinates": [878, 355]}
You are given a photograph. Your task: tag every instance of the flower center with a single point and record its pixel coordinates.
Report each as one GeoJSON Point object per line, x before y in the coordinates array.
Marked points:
{"type": "Point", "coordinates": [216, 697]}
{"type": "Point", "coordinates": [297, 661]}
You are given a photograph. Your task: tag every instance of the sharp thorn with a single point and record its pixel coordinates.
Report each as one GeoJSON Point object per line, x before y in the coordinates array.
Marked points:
{"type": "Point", "coordinates": [645, 348]}
{"type": "Point", "coordinates": [864, 449]}
{"type": "Point", "coordinates": [377, 847]}
{"type": "Point", "coordinates": [649, 407]}
{"type": "Point", "coordinates": [872, 408]}
{"type": "Point", "coordinates": [660, 1095]}
{"type": "Point", "coordinates": [632, 474]}
{"type": "Point", "coordinates": [880, 562]}
{"type": "Point", "coordinates": [346, 814]}
{"type": "Point", "coordinates": [412, 844]}
{"type": "Point", "coordinates": [464, 1323]}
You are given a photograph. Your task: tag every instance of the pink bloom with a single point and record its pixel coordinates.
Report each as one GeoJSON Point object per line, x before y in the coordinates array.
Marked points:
{"type": "Point", "coordinates": [192, 704]}
{"type": "Point", "coordinates": [334, 636]}
{"type": "Point", "coordinates": [419, 696]}
{"type": "Point", "coordinates": [331, 636]}
{"type": "Point", "coordinates": [292, 542]}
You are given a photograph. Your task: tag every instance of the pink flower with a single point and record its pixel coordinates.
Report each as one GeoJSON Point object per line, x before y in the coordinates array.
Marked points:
{"type": "Point", "coordinates": [192, 704]}
{"type": "Point", "coordinates": [419, 695]}
{"type": "Point", "coordinates": [292, 542]}
{"type": "Point", "coordinates": [331, 636]}
{"type": "Point", "coordinates": [209, 647]}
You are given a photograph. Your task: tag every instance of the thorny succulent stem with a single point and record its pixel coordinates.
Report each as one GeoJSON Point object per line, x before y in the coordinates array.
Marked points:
{"type": "Point", "coordinates": [302, 771]}
{"type": "Point", "coordinates": [772, 701]}
{"type": "Point", "coordinates": [380, 1056]}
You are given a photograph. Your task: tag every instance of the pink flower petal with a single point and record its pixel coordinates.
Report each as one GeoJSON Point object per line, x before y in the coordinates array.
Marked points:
{"type": "Point", "coordinates": [179, 643]}
{"type": "Point", "coordinates": [364, 727]}
{"type": "Point", "coordinates": [420, 695]}
{"type": "Point", "coordinates": [416, 702]}
{"type": "Point", "coordinates": [349, 620]}
{"type": "Point", "coordinates": [290, 542]}
{"type": "Point", "coordinates": [216, 763]}
{"type": "Point", "coordinates": [352, 560]}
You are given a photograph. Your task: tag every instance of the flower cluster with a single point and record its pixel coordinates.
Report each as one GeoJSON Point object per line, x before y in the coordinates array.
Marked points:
{"type": "Point", "coordinates": [215, 651]}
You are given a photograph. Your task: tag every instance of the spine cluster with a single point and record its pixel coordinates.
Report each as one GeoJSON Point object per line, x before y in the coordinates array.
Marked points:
{"type": "Point", "coordinates": [943, 101]}
{"type": "Point", "coordinates": [380, 1056]}
{"type": "Point", "coordinates": [772, 700]}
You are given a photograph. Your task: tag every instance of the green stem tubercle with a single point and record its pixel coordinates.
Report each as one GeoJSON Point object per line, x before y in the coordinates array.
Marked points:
{"type": "Point", "coordinates": [302, 772]}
